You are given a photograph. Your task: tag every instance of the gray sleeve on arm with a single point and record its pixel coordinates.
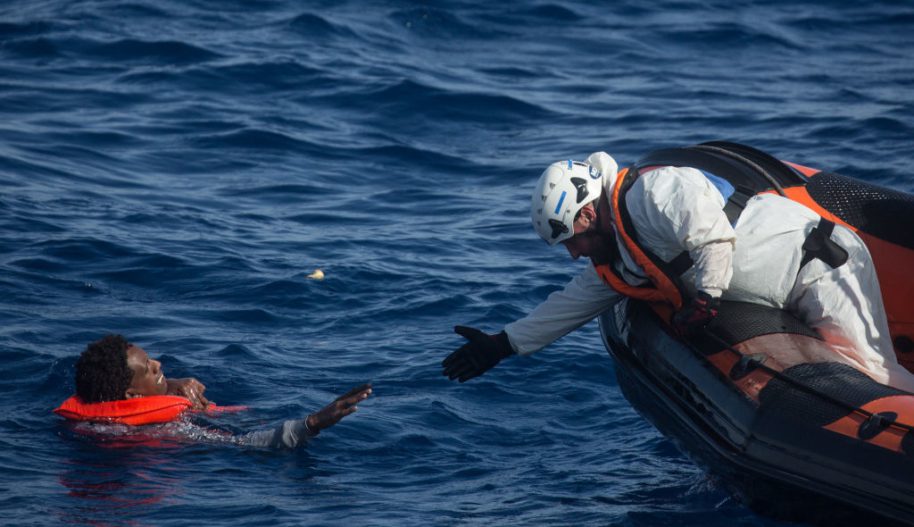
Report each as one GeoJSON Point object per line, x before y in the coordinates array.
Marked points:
{"type": "Point", "coordinates": [585, 297]}
{"type": "Point", "coordinates": [290, 434]}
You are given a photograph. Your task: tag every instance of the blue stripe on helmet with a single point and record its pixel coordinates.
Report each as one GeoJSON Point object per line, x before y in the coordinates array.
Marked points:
{"type": "Point", "coordinates": [558, 207]}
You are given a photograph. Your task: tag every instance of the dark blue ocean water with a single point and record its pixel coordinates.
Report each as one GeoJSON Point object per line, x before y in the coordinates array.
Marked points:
{"type": "Point", "coordinates": [174, 170]}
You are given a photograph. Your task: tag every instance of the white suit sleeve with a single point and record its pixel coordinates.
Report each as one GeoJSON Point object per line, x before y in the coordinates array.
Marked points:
{"type": "Point", "coordinates": [684, 211]}
{"type": "Point", "coordinates": [585, 297]}
{"type": "Point", "coordinates": [713, 267]}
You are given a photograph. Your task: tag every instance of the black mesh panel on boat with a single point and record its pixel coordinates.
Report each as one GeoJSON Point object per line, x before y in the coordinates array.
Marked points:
{"type": "Point", "coordinates": [781, 398]}
{"type": "Point", "coordinates": [740, 321]}
{"type": "Point", "coordinates": [870, 208]}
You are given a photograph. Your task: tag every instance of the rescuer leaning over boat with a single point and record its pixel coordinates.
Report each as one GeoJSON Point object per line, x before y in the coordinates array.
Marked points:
{"type": "Point", "coordinates": [778, 253]}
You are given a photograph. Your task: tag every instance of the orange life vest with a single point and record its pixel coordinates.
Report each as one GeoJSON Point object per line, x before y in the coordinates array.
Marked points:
{"type": "Point", "coordinates": [662, 288]}
{"type": "Point", "coordinates": [136, 411]}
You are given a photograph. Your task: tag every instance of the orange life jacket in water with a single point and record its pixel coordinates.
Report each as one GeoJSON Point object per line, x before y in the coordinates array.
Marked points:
{"type": "Point", "coordinates": [136, 411]}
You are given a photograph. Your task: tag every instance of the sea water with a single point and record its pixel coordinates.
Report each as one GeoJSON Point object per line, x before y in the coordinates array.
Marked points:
{"type": "Point", "coordinates": [174, 170]}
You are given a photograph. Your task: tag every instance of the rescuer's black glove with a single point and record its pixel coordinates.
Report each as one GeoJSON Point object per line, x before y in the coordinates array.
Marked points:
{"type": "Point", "coordinates": [478, 355]}
{"type": "Point", "coordinates": [697, 314]}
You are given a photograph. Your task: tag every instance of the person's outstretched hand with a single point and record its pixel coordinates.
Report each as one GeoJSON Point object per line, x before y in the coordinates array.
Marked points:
{"type": "Point", "coordinates": [478, 355]}
{"type": "Point", "coordinates": [338, 409]}
{"type": "Point", "coordinates": [190, 388]}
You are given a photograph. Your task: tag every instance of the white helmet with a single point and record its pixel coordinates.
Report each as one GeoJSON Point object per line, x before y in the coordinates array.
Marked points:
{"type": "Point", "coordinates": [564, 189]}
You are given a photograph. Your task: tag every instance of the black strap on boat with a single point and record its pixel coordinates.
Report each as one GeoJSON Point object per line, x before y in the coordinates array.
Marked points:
{"type": "Point", "coordinates": [749, 363]}
{"type": "Point", "coordinates": [746, 161]}
{"type": "Point", "coordinates": [680, 264]}
{"type": "Point", "coordinates": [785, 174]}
{"type": "Point", "coordinates": [749, 170]}
{"type": "Point", "coordinates": [820, 245]}
{"type": "Point", "coordinates": [736, 203]}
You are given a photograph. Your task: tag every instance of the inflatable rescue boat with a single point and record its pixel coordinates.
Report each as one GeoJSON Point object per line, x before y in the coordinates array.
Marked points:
{"type": "Point", "coordinates": [799, 439]}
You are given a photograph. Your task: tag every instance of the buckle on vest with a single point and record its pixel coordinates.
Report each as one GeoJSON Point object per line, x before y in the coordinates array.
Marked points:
{"type": "Point", "coordinates": [820, 245]}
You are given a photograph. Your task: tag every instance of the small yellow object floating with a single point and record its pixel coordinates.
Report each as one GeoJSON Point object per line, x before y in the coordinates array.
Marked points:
{"type": "Point", "coordinates": [316, 275]}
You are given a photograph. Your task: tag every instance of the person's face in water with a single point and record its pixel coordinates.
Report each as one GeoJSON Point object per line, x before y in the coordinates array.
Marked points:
{"type": "Point", "coordinates": [148, 378]}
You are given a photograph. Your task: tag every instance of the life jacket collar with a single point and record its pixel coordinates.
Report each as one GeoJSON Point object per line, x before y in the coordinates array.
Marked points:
{"type": "Point", "coordinates": [136, 411]}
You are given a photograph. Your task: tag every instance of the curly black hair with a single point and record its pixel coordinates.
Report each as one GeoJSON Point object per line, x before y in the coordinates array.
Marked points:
{"type": "Point", "coordinates": [102, 373]}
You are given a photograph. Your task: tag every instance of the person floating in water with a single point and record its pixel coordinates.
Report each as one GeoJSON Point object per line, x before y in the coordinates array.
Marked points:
{"type": "Point", "coordinates": [115, 370]}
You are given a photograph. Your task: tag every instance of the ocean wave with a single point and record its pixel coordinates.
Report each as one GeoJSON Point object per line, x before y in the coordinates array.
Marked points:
{"type": "Point", "coordinates": [313, 26]}
{"type": "Point", "coordinates": [826, 22]}
{"type": "Point", "coordinates": [552, 12]}
{"type": "Point", "coordinates": [147, 270]}
{"type": "Point", "coordinates": [33, 27]}
{"type": "Point", "coordinates": [409, 155]}
{"type": "Point", "coordinates": [237, 352]}
{"type": "Point", "coordinates": [132, 11]}
{"type": "Point", "coordinates": [163, 52]}
{"type": "Point", "coordinates": [860, 131]}
{"type": "Point", "coordinates": [33, 48]}
{"type": "Point", "coordinates": [440, 24]}
{"type": "Point", "coordinates": [253, 316]}
{"type": "Point", "coordinates": [252, 139]}
{"type": "Point", "coordinates": [33, 226]}
{"type": "Point", "coordinates": [121, 51]}
{"type": "Point", "coordinates": [83, 249]}
{"type": "Point", "coordinates": [731, 35]}
{"type": "Point", "coordinates": [237, 77]}
{"type": "Point", "coordinates": [62, 97]}
{"type": "Point", "coordinates": [280, 193]}
{"type": "Point", "coordinates": [452, 105]}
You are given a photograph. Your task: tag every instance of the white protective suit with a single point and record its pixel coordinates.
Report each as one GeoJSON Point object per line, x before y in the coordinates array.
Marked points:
{"type": "Point", "coordinates": [675, 209]}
